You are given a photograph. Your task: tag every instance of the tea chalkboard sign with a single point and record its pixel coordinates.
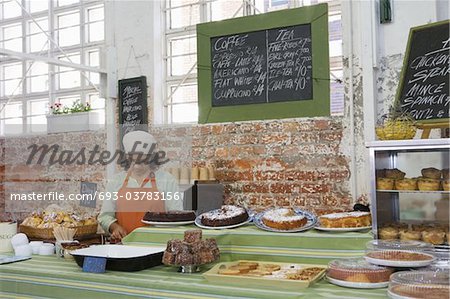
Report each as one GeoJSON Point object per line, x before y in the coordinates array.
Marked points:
{"type": "Point", "coordinates": [267, 66]}
{"type": "Point", "coordinates": [425, 79]}
{"type": "Point", "coordinates": [132, 104]}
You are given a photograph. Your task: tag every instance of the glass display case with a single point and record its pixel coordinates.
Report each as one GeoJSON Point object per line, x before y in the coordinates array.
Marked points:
{"type": "Point", "coordinates": [423, 200]}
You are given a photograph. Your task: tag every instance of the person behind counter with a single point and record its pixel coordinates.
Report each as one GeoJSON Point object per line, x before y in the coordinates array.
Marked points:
{"type": "Point", "coordinates": [142, 181]}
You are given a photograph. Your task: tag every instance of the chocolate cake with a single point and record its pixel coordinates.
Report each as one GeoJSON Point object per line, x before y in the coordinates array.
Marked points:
{"type": "Point", "coordinates": [170, 216]}
{"type": "Point", "coordinates": [225, 216]}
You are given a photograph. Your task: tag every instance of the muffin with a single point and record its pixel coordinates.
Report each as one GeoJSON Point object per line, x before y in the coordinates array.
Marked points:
{"type": "Point", "coordinates": [445, 173]}
{"type": "Point", "coordinates": [431, 173]}
{"type": "Point", "coordinates": [406, 184]}
{"type": "Point", "coordinates": [395, 174]}
{"type": "Point", "coordinates": [388, 233]}
{"type": "Point", "coordinates": [425, 184]}
{"type": "Point", "coordinates": [385, 184]}
{"type": "Point", "coordinates": [410, 234]}
{"type": "Point", "coordinates": [434, 236]}
{"type": "Point", "coordinates": [446, 185]}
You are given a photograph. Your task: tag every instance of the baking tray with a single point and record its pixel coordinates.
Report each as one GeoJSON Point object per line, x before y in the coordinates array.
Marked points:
{"type": "Point", "coordinates": [263, 282]}
{"type": "Point", "coordinates": [122, 257]}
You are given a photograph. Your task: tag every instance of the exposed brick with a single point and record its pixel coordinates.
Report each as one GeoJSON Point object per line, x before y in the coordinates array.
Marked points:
{"type": "Point", "coordinates": [314, 188]}
{"type": "Point", "coordinates": [282, 187]}
{"type": "Point", "coordinates": [290, 127]}
{"type": "Point", "coordinates": [300, 175]}
{"type": "Point", "coordinates": [221, 152]}
{"type": "Point", "coordinates": [269, 175]}
{"type": "Point", "coordinates": [256, 187]}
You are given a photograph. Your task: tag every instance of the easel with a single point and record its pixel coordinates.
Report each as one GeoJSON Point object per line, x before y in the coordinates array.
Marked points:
{"type": "Point", "coordinates": [428, 127]}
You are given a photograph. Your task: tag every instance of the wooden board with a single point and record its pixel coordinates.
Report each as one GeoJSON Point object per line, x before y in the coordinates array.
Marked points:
{"type": "Point", "coordinates": [268, 66]}
{"type": "Point", "coordinates": [424, 82]}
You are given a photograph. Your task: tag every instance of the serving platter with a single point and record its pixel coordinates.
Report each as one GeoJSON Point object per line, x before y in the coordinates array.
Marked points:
{"type": "Point", "coordinates": [342, 229]}
{"type": "Point", "coordinates": [122, 257]}
{"type": "Point", "coordinates": [311, 222]}
{"type": "Point", "coordinates": [167, 224]}
{"type": "Point", "coordinates": [263, 281]}
{"type": "Point", "coordinates": [198, 222]}
{"type": "Point", "coordinates": [358, 285]}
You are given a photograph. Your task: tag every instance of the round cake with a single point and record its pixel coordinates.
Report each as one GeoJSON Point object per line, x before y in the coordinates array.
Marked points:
{"type": "Point", "coordinates": [225, 216]}
{"type": "Point", "coordinates": [346, 219]}
{"type": "Point", "coordinates": [358, 270]}
{"type": "Point", "coordinates": [283, 219]}
{"type": "Point", "coordinates": [170, 216]}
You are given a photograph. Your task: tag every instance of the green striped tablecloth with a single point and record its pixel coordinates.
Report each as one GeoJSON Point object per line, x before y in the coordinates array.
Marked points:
{"type": "Point", "coordinates": [51, 277]}
{"type": "Point", "coordinates": [249, 242]}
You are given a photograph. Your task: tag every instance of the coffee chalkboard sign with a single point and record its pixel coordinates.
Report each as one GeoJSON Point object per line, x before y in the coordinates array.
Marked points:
{"type": "Point", "coordinates": [267, 66]}
{"type": "Point", "coordinates": [273, 65]}
{"type": "Point", "coordinates": [424, 83]}
{"type": "Point", "coordinates": [133, 104]}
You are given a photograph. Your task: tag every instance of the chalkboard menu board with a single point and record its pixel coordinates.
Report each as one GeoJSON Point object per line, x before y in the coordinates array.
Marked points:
{"type": "Point", "coordinates": [265, 66]}
{"type": "Point", "coordinates": [89, 191]}
{"type": "Point", "coordinates": [424, 86]}
{"type": "Point", "coordinates": [133, 104]}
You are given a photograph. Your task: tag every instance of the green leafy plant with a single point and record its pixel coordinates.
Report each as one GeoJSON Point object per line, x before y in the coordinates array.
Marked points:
{"type": "Point", "coordinates": [77, 106]}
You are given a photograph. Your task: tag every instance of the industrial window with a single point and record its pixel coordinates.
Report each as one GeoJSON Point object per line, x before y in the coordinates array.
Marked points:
{"type": "Point", "coordinates": [30, 87]}
{"type": "Point", "coordinates": [181, 16]}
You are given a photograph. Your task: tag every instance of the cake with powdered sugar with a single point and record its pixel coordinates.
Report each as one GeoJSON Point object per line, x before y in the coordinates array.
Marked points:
{"type": "Point", "coordinates": [283, 219]}
{"type": "Point", "coordinates": [225, 216]}
{"type": "Point", "coordinates": [345, 220]}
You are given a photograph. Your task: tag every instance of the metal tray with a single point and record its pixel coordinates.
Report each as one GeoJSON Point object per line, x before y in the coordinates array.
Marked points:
{"type": "Point", "coordinates": [122, 257]}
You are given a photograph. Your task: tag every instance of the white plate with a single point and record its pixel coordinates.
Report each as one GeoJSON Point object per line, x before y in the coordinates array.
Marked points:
{"type": "Point", "coordinates": [198, 222]}
{"type": "Point", "coordinates": [391, 263]}
{"type": "Point", "coordinates": [358, 285]}
{"type": "Point", "coordinates": [164, 224]}
{"type": "Point", "coordinates": [342, 229]}
{"type": "Point", "coordinates": [117, 251]}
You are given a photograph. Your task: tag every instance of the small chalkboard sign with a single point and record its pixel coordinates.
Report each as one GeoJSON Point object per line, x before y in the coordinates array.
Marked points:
{"type": "Point", "coordinates": [265, 66]}
{"type": "Point", "coordinates": [133, 104]}
{"type": "Point", "coordinates": [425, 79]}
{"type": "Point", "coordinates": [88, 192]}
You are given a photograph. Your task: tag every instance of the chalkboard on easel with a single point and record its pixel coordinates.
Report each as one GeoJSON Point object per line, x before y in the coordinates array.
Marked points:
{"type": "Point", "coordinates": [265, 66]}
{"type": "Point", "coordinates": [133, 104]}
{"type": "Point", "coordinates": [424, 82]}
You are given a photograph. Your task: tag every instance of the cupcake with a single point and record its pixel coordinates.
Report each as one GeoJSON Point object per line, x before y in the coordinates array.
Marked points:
{"type": "Point", "coordinates": [385, 184]}
{"type": "Point", "coordinates": [425, 184]}
{"type": "Point", "coordinates": [434, 236]}
{"type": "Point", "coordinates": [431, 173]}
{"type": "Point", "coordinates": [410, 235]}
{"type": "Point", "coordinates": [388, 233]}
{"type": "Point", "coordinates": [395, 174]}
{"type": "Point", "coordinates": [446, 185]}
{"type": "Point", "coordinates": [406, 184]}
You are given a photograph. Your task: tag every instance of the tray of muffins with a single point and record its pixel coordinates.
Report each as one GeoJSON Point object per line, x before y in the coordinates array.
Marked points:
{"type": "Point", "coordinates": [435, 234]}
{"type": "Point", "coordinates": [431, 180]}
{"type": "Point", "coordinates": [265, 274]}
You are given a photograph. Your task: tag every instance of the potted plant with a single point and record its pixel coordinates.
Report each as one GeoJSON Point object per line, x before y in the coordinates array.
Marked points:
{"type": "Point", "coordinates": [77, 117]}
{"type": "Point", "coordinates": [396, 125]}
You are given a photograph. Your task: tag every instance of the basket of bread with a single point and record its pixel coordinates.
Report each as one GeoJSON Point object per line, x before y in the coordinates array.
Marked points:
{"type": "Point", "coordinates": [40, 225]}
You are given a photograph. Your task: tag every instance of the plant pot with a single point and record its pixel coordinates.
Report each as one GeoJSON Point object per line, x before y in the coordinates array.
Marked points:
{"type": "Point", "coordinates": [73, 122]}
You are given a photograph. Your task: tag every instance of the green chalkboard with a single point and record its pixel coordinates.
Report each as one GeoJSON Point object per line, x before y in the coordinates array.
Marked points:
{"type": "Point", "coordinates": [267, 66]}
{"type": "Point", "coordinates": [424, 89]}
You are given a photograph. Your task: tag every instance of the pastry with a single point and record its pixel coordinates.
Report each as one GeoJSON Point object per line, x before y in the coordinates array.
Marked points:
{"type": "Point", "coordinates": [385, 184]}
{"type": "Point", "coordinates": [410, 235]}
{"type": "Point", "coordinates": [399, 255]}
{"type": "Point", "coordinates": [428, 184]}
{"type": "Point", "coordinates": [434, 236]}
{"type": "Point", "coordinates": [170, 216]}
{"type": "Point", "coordinates": [283, 219]}
{"type": "Point", "coordinates": [406, 184]}
{"type": "Point", "coordinates": [225, 216]}
{"type": "Point", "coordinates": [445, 173]}
{"type": "Point", "coordinates": [229, 272]}
{"type": "Point", "coordinates": [250, 265]}
{"type": "Point", "coordinates": [346, 219]}
{"type": "Point", "coordinates": [193, 235]}
{"type": "Point", "coordinates": [388, 233]}
{"type": "Point", "coordinates": [431, 173]}
{"type": "Point", "coordinates": [358, 270]}
{"type": "Point", "coordinates": [446, 185]}
{"type": "Point", "coordinates": [395, 174]}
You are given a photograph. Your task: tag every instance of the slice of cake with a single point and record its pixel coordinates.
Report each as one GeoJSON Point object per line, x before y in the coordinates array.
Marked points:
{"type": "Point", "coordinates": [283, 219]}
{"type": "Point", "coordinates": [225, 216]}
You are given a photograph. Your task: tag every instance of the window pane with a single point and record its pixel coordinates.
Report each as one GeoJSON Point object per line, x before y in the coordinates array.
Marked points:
{"type": "Point", "coordinates": [95, 14]}
{"type": "Point", "coordinates": [38, 5]}
{"type": "Point", "coordinates": [68, 101]}
{"type": "Point", "coordinates": [12, 71]}
{"type": "Point", "coordinates": [226, 9]}
{"type": "Point", "coordinates": [38, 42]}
{"type": "Point", "coordinates": [182, 65]}
{"type": "Point", "coordinates": [38, 107]}
{"type": "Point", "coordinates": [34, 28]}
{"type": "Point", "coordinates": [69, 36]}
{"type": "Point", "coordinates": [75, 58]}
{"type": "Point", "coordinates": [96, 32]}
{"type": "Point", "coordinates": [12, 31]}
{"type": "Point", "coordinates": [14, 126]}
{"type": "Point", "coordinates": [96, 102]}
{"type": "Point", "coordinates": [69, 79]}
{"type": "Point", "coordinates": [66, 2]}
{"type": "Point", "coordinates": [12, 87]}
{"type": "Point", "coordinates": [11, 9]}
{"type": "Point", "coordinates": [184, 113]}
{"type": "Point", "coordinates": [184, 93]}
{"type": "Point", "coordinates": [38, 84]}
{"type": "Point", "coordinates": [68, 20]}
{"type": "Point", "coordinates": [13, 110]}
{"type": "Point", "coordinates": [37, 124]}
{"type": "Point", "coordinates": [179, 46]}
{"type": "Point", "coordinates": [94, 58]}
{"type": "Point", "coordinates": [184, 16]}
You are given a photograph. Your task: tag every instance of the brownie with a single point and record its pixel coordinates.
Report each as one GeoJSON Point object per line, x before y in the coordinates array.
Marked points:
{"type": "Point", "coordinates": [170, 216]}
{"type": "Point", "coordinates": [193, 235]}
